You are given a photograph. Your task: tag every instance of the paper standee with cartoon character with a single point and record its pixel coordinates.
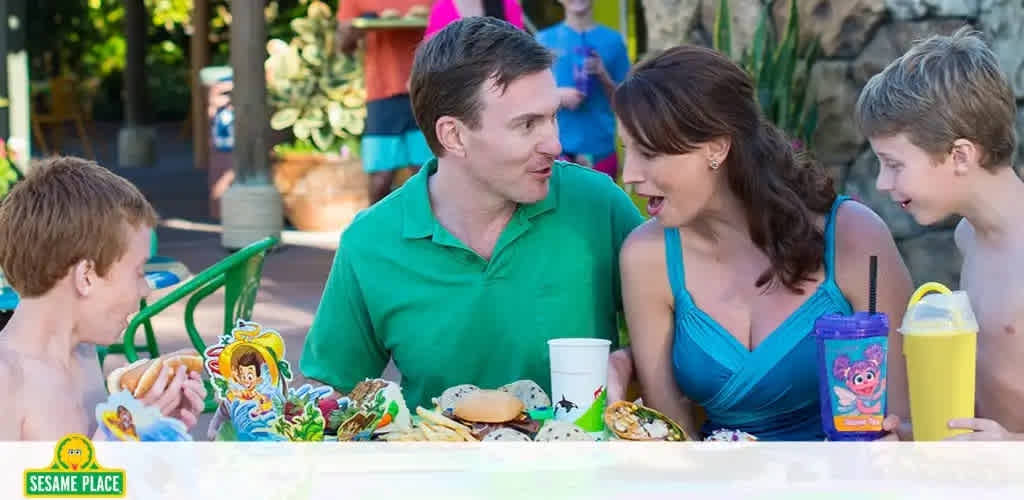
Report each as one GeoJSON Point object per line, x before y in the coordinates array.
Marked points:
{"type": "Point", "coordinates": [250, 379]}
{"type": "Point", "coordinates": [374, 407]}
{"type": "Point", "coordinates": [124, 418]}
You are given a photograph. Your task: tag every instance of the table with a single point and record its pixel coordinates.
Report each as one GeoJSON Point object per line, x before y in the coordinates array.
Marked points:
{"type": "Point", "coordinates": [561, 471]}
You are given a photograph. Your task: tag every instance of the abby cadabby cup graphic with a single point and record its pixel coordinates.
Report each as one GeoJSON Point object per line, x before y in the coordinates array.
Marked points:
{"type": "Point", "coordinates": [579, 374]}
{"type": "Point", "coordinates": [852, 370]}
{"type": "Point", "coordinates": [940, 335]}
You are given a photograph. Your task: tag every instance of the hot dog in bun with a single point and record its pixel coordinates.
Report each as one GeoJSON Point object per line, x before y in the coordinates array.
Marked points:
{"type": "Point", "coordinates": [139, 377]}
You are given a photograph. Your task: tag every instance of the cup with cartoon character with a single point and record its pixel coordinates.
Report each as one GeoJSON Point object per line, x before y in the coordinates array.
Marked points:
{"type": "Point", "coordinates": [579, 374]}
{"type": "Point", "coordinates": [852, 374]}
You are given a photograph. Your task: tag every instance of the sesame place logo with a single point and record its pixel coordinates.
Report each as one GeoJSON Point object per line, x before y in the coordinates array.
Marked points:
{"type": "Point", "coordinates": [74, 473]}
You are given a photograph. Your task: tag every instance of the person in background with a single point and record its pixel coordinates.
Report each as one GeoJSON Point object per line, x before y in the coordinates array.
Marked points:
{"type": "Point", "coordinates": [391, 139]}
{"type": "Point", "coordinates": [445, 12]}
{"type": "Point", "coordinates": [591, 60]}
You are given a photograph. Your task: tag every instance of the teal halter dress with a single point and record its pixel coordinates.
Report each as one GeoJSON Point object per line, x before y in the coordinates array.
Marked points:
{"type": "Point", "coordinates": [770, 392]}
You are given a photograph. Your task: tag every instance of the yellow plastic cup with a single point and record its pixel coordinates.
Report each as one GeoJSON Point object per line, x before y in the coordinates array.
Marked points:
{"type": "Point", "coordinates": [940, 336]}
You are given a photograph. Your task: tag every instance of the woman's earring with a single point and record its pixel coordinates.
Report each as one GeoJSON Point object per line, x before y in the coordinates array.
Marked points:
{"type": "Point", "coordinates": [715, 164]}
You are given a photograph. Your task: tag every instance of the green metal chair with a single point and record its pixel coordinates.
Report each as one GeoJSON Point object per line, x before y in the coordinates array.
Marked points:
{"type": "Point", "coordinates": [239, 274]}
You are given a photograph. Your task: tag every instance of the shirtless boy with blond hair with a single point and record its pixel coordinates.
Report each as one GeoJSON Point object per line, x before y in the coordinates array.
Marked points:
{"type": "Point", "coordinates": [73, 241]}
{"type": "Point", "coordinates": [941, 120]}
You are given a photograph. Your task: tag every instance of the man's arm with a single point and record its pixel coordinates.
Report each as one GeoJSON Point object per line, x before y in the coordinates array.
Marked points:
{"type": "Point", "coordinates": [625, 217]}
{"type": "Point", "coordinates": [342, 348]}
{"type": "Point", "coordinates": [348, 36]}
{"type": "Point", "coordinates": [613, 71]}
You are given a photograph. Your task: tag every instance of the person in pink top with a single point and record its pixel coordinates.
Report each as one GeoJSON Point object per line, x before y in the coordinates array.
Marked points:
{"type": "Point", "coordinates": [446, 11]}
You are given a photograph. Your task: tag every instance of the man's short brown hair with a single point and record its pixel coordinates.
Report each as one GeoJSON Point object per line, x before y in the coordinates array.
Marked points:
{"type": "Point", "coordinates": [943, 89]}
{"type": "Point", "coordinates": [452, 67]}
{"type": "Point", "coordinates": [66, 210]}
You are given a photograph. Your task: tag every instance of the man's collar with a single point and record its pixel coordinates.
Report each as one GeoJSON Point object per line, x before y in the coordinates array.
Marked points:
{"type": "Point", "coordinates": [417, 215]}
{"type": "Point", "coordinates": [418, 220]}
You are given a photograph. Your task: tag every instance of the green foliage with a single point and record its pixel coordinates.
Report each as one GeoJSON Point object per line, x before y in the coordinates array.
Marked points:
{"type": "Point", "coordinates": [86, 38]}
{"type": "Point", "coordinates": [298, 419]}
{"type": "Point", "coordinates": [9, 173]}
{"type": "Point", "coordinates": [313, 88]}
{"type": "Point", "coordinates": [779, 69]}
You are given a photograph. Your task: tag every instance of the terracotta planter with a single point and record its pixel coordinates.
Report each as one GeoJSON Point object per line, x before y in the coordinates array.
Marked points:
{"type": "Point", "coordinates": [321, 192]}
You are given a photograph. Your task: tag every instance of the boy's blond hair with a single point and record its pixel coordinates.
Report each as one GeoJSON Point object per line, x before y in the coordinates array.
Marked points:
{"type": "Point", "coordinates": [944, 88]}
{"type": "Point", "coordinates": [66, 210]}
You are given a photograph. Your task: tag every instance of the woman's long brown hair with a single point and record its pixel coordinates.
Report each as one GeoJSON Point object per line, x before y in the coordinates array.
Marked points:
{"type": "Point", "coordinates": [690, 95]}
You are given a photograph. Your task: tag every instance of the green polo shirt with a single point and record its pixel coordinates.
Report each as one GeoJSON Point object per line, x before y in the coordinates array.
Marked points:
{"type": "Point", "coordinates": [402, 286]}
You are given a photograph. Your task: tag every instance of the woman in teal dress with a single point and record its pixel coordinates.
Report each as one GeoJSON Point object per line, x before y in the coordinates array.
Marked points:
{"type": "Point", "coordinates": [748, 245]}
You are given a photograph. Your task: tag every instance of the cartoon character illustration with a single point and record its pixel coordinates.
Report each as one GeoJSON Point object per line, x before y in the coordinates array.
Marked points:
{"type": "Point", "coordinates": [121, 420]}
{"type": "Point", "coordinates": [565, 404]}
{"type": "Point", "coordinates": [245, 371]}
{"type": "Point", "coordinates": [75, 453]}
{"type": "Point", "coordinates": [863, 380]}
{"type": "Point", "coordinates": [248, 365]}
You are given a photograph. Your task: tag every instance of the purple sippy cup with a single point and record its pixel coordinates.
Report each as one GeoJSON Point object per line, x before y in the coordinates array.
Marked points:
{"type": "Point", "coordinates": [580, 76]}
{"type": "Point", "coordinates": [852, 371]}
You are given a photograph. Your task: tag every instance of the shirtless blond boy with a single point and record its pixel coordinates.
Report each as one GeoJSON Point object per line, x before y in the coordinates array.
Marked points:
{"type": "Point", "coordinates": [941, 121]}
{"type": "Point", "coordinates": [73, 241]}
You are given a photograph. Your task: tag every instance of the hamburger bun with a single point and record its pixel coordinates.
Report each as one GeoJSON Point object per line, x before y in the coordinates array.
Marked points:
{"type": "Point", "coordinates": [489, 406]}
{"type": "Point", "coordinates": [139, 377]}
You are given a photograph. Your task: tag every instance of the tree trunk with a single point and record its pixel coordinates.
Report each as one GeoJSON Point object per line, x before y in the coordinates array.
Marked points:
{"type": "Point", "coordinates": [135, 22]}
{"type": "Point", "coordinates": [199, 55]}
{"type": "Point", "coordinates": [669, 22]}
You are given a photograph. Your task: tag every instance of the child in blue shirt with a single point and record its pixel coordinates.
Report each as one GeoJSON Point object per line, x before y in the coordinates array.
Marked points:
{"type": "Point", "coordinates": [591, 60]}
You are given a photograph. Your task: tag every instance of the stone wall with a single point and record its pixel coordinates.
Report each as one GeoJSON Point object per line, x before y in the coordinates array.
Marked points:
{"type": "Point", "coordinates": [858, 38]}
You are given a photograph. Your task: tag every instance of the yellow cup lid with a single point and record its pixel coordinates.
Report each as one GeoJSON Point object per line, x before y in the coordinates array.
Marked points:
{"type": "Point", "coordinates": [939, 313]}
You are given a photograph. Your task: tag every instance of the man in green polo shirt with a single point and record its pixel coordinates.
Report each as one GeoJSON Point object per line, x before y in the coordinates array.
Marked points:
{"type": "Point", "coordinates": [464, 273]}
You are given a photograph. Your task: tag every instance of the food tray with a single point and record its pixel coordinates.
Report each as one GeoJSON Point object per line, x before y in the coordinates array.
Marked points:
{"type": "Point", "coordinates": [390, 24]}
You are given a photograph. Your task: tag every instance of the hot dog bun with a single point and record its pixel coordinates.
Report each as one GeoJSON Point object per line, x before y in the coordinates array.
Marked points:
{"type": "Point", "coordinates": [140, 376]}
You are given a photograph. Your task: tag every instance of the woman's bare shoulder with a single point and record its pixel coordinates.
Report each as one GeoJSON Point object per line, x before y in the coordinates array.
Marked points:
{"type": "Point", "coordinates": [644, 246]}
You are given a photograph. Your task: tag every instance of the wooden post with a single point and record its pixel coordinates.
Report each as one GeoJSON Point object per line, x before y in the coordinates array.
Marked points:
{"type": "Point", "coordinates": [199, 54]}
{"type": "Point", "coordinates": [249, 95]}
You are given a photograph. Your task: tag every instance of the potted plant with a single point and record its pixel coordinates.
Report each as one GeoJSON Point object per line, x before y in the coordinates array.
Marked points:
{"type": "Point", "coordinates": [316, 91]}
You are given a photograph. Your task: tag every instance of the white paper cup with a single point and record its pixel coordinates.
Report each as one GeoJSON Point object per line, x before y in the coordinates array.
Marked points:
{"type": "Point", "coordinates": [579, 374]}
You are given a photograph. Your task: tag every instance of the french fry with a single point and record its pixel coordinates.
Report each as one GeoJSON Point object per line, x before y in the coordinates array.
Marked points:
{"type": "Point", "coordinates": [440, 433]}
{"type": "Point", "coordinates": [429, 432]}
{"type": "Point", "coordinates": [414, 434]}
{"type": "Point", "coordinates": [438, 419]}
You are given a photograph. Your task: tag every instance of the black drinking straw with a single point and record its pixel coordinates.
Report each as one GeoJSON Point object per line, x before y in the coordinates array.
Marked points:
{"type": "Point", "coordinates": [872, 283]}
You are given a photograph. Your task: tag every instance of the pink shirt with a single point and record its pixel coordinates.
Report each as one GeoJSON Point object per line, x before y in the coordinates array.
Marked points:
{"type": "Point", "coordinates": [445, 12]}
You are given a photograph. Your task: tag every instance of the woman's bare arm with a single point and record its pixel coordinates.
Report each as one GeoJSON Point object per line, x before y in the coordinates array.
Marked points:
{"type": "Point", "coordinates": [647, 299]}
{"type": "Point", "coordinates": [860, 233]}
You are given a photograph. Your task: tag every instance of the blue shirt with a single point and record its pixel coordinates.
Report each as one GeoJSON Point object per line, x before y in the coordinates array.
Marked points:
{"type": "Point", "coordinates": [590, 128]}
